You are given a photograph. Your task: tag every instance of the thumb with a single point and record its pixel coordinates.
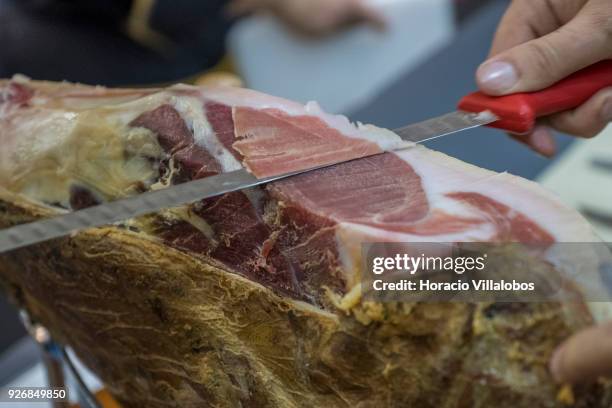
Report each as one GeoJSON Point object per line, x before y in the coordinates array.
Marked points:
{"type": "Point", "coordinates": [541, 62]}
{"type": "Point", "coordinates": [585, 356]}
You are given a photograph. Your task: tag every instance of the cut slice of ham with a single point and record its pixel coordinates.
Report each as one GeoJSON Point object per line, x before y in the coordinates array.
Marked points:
{"type": "Point", "coordinates": [273, 142]}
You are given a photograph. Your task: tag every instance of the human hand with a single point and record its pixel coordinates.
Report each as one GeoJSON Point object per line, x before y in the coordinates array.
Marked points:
{"type": "Point", "coordinates": [312, 17]}
{"type": "Point", "coordinates": [585, 356]}
{"type": "Point", "coordinates": [541, 42]}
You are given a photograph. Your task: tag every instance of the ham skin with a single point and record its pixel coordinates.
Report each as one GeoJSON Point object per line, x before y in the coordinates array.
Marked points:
{"type": "Point", "coordinates": [252, 298]}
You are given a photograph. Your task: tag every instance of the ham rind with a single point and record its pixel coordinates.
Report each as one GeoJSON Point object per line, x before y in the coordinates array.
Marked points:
{"type": "Point", "coordinates": [253, 298]}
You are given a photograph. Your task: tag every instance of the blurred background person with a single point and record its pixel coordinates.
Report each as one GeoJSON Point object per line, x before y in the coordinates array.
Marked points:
{"type": "Point", "coordinates": [131, 42]}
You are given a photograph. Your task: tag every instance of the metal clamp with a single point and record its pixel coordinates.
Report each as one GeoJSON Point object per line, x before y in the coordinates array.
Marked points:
{"type": "Point", "coordinates": [56, 360]}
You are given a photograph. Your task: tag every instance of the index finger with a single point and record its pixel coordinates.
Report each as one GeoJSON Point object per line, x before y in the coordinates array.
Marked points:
{"type": "Point", "coordinates": [527, 20]}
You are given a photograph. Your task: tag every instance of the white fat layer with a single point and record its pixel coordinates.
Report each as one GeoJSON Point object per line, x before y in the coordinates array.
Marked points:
{"type": "Point", "coordinates": [525, 196]}
{"type": "Point", "coordinates": [193, 113]}
{"type": "Point", "coordinates": [31, 138]}
{"type": "Point", "coordinates": [47, 152]}
{"type": "Point", "coordinates": [48, 149]}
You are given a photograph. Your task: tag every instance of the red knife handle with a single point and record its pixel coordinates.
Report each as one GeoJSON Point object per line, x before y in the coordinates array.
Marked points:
{"type": "Point", "coordinates": [518, 112]}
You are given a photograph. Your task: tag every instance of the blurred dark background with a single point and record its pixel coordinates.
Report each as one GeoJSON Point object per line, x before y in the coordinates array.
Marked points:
{"type": "Point", "coordinates": [111, 42]}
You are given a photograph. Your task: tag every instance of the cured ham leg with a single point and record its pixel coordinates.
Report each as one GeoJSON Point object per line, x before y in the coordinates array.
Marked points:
{"type": "Point", "coordinates": [252, 297]}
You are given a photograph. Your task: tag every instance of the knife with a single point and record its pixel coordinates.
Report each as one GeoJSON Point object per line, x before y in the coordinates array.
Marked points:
{"type": "Point", "coordinates": [515, 113]}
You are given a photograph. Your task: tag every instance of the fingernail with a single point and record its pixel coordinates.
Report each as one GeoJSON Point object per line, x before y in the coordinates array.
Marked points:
{"type": "Point", "coordinates": [555, 365]}
{"type": "Point", "coordinates": [496, 77]}
{"type": "Point", "coordinates": [542, 141]}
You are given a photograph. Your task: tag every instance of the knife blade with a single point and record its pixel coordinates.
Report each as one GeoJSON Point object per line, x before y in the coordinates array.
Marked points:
{"type": "Point", "coordinates": [516, 113]}
{"type": "Point", "coordinates": [444, 125]}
